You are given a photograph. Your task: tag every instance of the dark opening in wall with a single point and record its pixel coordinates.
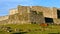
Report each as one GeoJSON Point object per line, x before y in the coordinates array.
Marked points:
{"type": "Point", "coordinates": [58, 13]}
{"type": "Point", "coordinates": [48, 20]}
{"type": "Point", "coordinates": [33, 22]}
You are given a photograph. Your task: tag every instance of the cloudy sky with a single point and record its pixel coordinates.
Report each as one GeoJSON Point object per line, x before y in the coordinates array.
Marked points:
{"type": "Point", "coordinates": [5, 5]}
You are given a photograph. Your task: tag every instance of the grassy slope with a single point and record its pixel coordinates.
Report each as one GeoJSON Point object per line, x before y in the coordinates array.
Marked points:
{"type": "Point", "coordinates": [33, 27]}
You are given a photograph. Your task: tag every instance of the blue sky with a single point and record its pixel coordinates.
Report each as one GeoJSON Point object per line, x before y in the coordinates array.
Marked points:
{"type": "Point", "coordinates": [5, 5]}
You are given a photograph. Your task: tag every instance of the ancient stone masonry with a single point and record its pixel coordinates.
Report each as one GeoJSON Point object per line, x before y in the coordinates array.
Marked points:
{"type": "Point", "coordinates": [32, 14]}
{"type": "Point", "coordinates": [4, 19]}
{"type": "Point", "coordinates": [29, 15]}
{"type": "Point", "coordinates": [26, 15]}
{"type": "Point", "coordinates": [13, 11]}
{"type": "Point", "coordinates": [36, 17]}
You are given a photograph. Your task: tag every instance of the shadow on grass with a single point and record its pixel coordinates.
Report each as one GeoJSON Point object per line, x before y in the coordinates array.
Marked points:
{"type": "Point", "coordinates": [20, 33]}
{"type": "Point", "coordinates": [54, 33]}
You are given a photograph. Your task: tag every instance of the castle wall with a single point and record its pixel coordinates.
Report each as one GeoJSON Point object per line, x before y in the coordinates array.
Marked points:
{"type": "Point", "coordinates": [14, 19]}
{"type": "Point", "coordinates": [24, 14]}
{"type": "Point", "coordinates": [3, 18]}
{"type": "Point", "coordinates": [54, 13]}
{"type": "Point", "coordinates": [13, 11]}
{"type": "Point", "coordinates": [4, 22]}
{"type": "Point", "coordinates": [36, 17]}
{"type": "Point", "coordinates": [27, 14]}
{"type": "Point", "coordinates": [47, 12]}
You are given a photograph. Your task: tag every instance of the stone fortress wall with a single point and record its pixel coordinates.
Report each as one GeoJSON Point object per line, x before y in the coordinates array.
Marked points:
{"type": "Point", "coordinates": [47, 12]}
{"type": "Point", "coordinates": [13, 11]}
{"type": "Point", "coordinates": [3, 18]}
{"type": "Point", "coordinates": [32, 14]}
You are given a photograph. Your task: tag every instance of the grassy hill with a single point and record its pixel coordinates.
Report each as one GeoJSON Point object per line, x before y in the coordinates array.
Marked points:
{"type": "Point", "coordinates": [29, 29]}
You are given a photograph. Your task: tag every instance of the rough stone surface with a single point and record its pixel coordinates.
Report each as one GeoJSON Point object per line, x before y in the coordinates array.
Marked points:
{"type": "Point", "coordinates": [30, 14]}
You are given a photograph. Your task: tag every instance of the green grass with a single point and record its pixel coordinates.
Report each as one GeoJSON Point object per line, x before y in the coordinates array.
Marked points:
{"type": "Point", "coordinates": [35, 28]}
{"type": "Point", "coordinates": [2, 32]}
